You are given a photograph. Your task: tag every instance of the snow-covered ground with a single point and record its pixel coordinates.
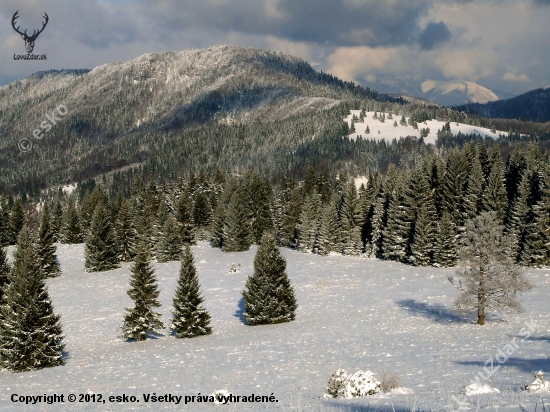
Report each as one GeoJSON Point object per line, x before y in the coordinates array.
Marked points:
{"type": "Point", "coordinates": [389, 132]}
{"type": "Point", "coordinates": [354, 313]}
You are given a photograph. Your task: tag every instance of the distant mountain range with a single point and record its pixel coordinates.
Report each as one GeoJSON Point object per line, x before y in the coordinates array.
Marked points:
{"type": "Point", "coordinates": [533, 105]}
{"type": "Point", "coordinates": [445, 93]}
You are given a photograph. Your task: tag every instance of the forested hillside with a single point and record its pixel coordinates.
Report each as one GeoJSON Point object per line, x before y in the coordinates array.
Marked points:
{"type": "Point", "coordinates": [123, 113]}
{"type": "Point", "coordinates": [533, 106]}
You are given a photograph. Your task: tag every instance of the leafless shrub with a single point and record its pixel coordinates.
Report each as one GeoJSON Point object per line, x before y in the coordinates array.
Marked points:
{"type": "Point", "coordinates": [389, 380]}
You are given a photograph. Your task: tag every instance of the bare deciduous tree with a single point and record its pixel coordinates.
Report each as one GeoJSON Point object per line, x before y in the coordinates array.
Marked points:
{"type": "Point", "coordinates": [489, 276]}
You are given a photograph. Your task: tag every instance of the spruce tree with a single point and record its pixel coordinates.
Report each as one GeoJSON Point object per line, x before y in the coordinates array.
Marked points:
{"type": "Point", "coordinates": [474, 191]}
{"type": "Point", "coordinates": [292, 210]}
{"type": "Point", "coordinates": [202, 211]}
{"type": "Point", "coordinates": [17, 220]}
{"type": "Point", "coordinates": [184, 216]}
{"type": "Point", "coordinates": [453, 185]}
{"type": "Point", "coordinates": [46, 249]}
{"type": "Point", "coordinates": [519, 216]}
{"type": "Point", "coordinates": [309, 223]}
{"type": "Point", "coordinates": [126, 234]}
{"type": "Point", "coordinates": [30, 333]}
{"type": "Point", "coordinates": [236, 233]}
{"type": "Point", "coordinates": [5, 232]}
{"type": "Point", "coordinates": [170, 244]}
{"type": "Point", "coordinates": [71, 232]}
{"type": "Point", "coordinates": [396, 233]}
{"type": "Point", "coordinates": [374, 246]}
{"type": "Point", "coordinates": [350, 218]}
{"type": "Point", "coordinates": [190, 318]}
{"type": "Point", "coordinates": [101, 247]}
{"type": "Point", "coordinates": [57, 221]}
{"type": "Point", "coordinates": [157, 230]}
{"type": "Point", "coordinates": [515, 167]}
{"type": "Point", "coordinates": [494, 196]}
{"type": "Point", "coordinates": [536, 247]}
{"type": "Point", "coordinates": [423, 238]}
{"type": "Point", "coordinates": [445, 249]}
{"type": "Point", "coordinates": [142, 320]}
{"type": "Point", "coordinates": [257, 195]}
{"type": "Point", "coordinates": [328, 237]}
{"type": "Point", "coordinates": [216, 240]}
{"type": "Point", "coordinates": [269, 297]}
{"type": "Point", "coordinates": [4, 272]}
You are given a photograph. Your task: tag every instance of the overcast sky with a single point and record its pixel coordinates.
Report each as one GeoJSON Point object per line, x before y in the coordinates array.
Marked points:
{"type": "Point", "coordinates": [501, 44]}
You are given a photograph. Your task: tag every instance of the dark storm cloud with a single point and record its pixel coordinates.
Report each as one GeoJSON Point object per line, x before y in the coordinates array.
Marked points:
{"type": "Point", "coordinates": [434, 35]}
{"type": "Point", "coordinates": [542, 2]}
{"type": "Point", "coordinates": [326, 22]}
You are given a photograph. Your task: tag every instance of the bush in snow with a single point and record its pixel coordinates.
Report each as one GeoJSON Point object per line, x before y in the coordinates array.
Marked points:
{"type": "Point", "coordinates": [340, 385]}
{"type": "Point", "coordinates": [539, 384]}
{"type": "Point", "coordinates": [234, 268]}
{"type": "Point", "coordinates": [219, 396]}
{"type": "Point", "coordinates": [478, 389]}
{"type": "Point", "coordinates": [389, 380]}
{"type": "Point", "coordinates": [336, 384]}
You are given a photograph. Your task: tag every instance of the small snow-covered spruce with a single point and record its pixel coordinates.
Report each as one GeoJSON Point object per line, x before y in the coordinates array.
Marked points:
{"type": "Point", "coordinates": [101, 247]}
{"type": "Point", "coordinates": [489, 277]}
{"type": "Point", "coordinates": [142, 320]}
{"type": "Point", "coordinates": [170, 244]}
{"type": "Point", "coordinates": [30, 333]}
{"type": "Point", "coordinates": [342, 385]}
{"type": "Point", "coordinates": [46, 249]}
{"type": "Point", "coordinates": [539, 384]}
{"type": "Point", "coordinates": [190, 318]}
{"type": "Point", "coordinates": [336, 384]}
{"type": "Point", "coordinates": [367, 130]}
{"type": "Point", "coordinates": [269, 297]}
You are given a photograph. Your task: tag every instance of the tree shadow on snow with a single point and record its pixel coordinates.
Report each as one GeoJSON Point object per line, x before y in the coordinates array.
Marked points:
{"type": "Point", "coordinates": [239, 313]}
{"type": "Point", "coordinates": [539, 338]}
{"type": "Point", "coordinates": [436, 313]}
{"type": "Point", "coordinates": [347, 406]}
{"type": "Point", "coordinates": [521, 364]}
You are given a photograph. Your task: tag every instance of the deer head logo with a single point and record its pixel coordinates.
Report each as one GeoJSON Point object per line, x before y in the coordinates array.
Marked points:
{"type": "Point", "coordinates": [29, 40]}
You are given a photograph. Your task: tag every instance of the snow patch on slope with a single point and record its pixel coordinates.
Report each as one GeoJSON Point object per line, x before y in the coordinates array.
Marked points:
{"type": "Point", "coordinates": [388, 132]}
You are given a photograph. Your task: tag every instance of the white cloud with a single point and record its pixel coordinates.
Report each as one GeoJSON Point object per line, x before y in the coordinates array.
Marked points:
{"type": "Point", "coordinates": [355, 63]}
{"type": "Point", "coordinates": [511, 77]}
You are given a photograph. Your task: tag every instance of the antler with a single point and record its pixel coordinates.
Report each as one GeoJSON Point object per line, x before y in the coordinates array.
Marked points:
{"type": "Point", "coordinates": [35, 35]}
{"type": "Point", "coordinates": [13, 19]}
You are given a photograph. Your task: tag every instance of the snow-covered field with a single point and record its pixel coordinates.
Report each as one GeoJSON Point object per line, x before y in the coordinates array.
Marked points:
{"type": "Point", "coordinates": [389, 132]}
{"type": "Point", "coordinates": [354, 313]}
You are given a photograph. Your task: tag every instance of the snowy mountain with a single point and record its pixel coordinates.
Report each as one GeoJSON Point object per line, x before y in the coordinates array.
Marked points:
{"type": "Point", "coordinates": [450, 93]}
{"type": "Point", "coordinates": [446, 93]}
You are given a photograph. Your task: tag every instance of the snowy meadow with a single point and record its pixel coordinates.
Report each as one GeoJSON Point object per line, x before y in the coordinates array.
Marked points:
{"type": "Point", "coordinates": [354, 313]}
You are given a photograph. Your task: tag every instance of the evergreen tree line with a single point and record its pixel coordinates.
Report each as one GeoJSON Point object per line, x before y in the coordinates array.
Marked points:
{"type": "Point", "coordinates": [413, 214]}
